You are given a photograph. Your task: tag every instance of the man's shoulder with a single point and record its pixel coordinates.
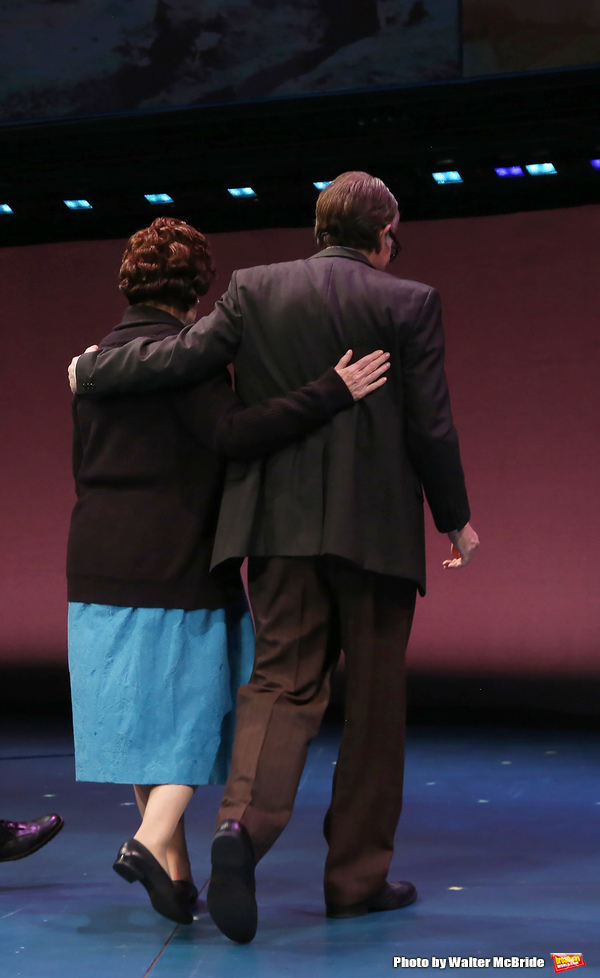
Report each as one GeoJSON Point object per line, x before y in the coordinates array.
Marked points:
{"type": "Point", "coordinates": [282, 269]}
{"type": "Point", "coordinates": [291, 278]}
{"type": "Point", "coordinates": [271, 268]}
{"type": "Point", "coordinates": [407, 286]}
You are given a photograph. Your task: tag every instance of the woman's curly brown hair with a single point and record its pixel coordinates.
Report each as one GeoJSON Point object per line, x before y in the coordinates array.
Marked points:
{"type": "Point", "coordinates": [168, 263]}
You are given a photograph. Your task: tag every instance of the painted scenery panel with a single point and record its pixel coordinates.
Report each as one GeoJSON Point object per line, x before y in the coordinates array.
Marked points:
{"type": "Point", "coordinates": [529, 35]}
{"type": "Point", "coordinates": [81, 57]}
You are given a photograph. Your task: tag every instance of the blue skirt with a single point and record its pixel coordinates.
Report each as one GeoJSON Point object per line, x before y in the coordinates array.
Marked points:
{"type": "Point", "coordinates": [154, 691]}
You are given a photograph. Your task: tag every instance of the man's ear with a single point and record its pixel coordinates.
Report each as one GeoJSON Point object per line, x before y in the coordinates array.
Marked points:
{"type": "Point", "coordinates": [381, 238]}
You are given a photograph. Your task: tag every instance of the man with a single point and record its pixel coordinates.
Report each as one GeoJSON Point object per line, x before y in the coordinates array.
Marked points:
{"type": "Point", "coordinates": [20, 839]}
{"type": "Point", "coordinates": [333, 528]}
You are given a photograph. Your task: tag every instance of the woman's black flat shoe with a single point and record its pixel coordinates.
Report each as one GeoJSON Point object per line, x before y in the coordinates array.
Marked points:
{"type": "Point", "coordinates": [187, 890]}
{"type": "Point", "coordinates": [135, 862]}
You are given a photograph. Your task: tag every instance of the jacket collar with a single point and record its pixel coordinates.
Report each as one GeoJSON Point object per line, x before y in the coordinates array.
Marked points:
{"type": "Point", "coordinates": [146, 321]}
{"type": "Point", "coordinates": [338, 251]}
{"type": "Point", "coordinates": [142, 315]}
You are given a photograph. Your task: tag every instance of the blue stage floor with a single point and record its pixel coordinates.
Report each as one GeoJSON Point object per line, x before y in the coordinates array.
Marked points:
{"type": "Point", "coordinates": [500, 834]}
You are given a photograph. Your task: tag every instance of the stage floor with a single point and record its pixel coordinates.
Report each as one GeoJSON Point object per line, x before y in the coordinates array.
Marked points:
{"type": "Point", "coordinates": [500, 834]}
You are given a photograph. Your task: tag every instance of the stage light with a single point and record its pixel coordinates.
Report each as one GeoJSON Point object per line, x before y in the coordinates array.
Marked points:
{"type": "Point", "coordinates": [6, 209]}
{"type": "Point", "coordinates": [447, 176]}
{"type": "Point", "coordinates": [540, 169]}
{"type": "Point", "coordinates": [78, 205]}
{"type": "Point", "coordinates": [595, 164]}
{"type": "Point", "coordinates": [321, 184]}
{"type": "Point", "coordinates": [241, 191]}
{"type": "Point", "coordinates": [158, 198]}
{"type": "Point", "coordinates": [509, 171]}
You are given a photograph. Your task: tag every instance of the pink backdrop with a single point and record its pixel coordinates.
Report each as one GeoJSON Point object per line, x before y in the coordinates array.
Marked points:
{"type": "Point", "coordinates": [520, 304]}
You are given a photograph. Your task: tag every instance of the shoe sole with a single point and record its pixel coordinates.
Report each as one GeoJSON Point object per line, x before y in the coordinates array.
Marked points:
{"type": "Point", "coordinates": [130, 873]}
{"type": "Point", "coordinates": [40, 845]}
{"type": "Point", "coordinates": [361, 910]}
{"type": "Point", "coordinates": [231, 899]}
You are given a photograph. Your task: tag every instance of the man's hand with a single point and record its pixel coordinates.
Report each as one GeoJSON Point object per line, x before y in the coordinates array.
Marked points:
{"type": "Point", "coordinates": [464, 544]}
{"type": "Point", "coordinates": [365, 375]}
{"type": "Point", "coordinates": [73, 365]}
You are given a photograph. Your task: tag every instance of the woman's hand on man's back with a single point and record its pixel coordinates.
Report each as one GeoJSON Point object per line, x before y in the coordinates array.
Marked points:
{"type": "Point", "coordinates": [365, 375]}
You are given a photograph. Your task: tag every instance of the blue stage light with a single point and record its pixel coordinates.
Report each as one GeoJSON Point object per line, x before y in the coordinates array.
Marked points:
{"type": "Point", "coordinates": [540, 169]}
{"type": "Point", "coordinates": [321, 184]}
{"type": "Point", "coordinates": [241, 191]}
{"type": "Point", "coordinates": [6, 209]}
{"type": "Point", "coordinates": [509, 171]}
{"type": "Point", "coordinates": [78, 205]}
{"type": "Point", "coordinates": [595, 164]}
{"type": "Point", "coordinates": [158, 198]}
{"type": "Point", "coordinates": [447, 176]}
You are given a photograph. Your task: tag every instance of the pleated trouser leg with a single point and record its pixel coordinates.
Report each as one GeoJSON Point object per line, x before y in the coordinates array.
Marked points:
{"type": "Point", "coordinates": [305, 610]}
{"type": "Point", "coordinates": [376, 613]}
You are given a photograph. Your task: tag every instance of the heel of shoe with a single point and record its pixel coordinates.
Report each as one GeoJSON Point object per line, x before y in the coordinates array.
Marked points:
{"type": "Point", "coordinates": [135, 863]}
{"type": "Point", "coordinates": [232, 850]}
{"type": "Point", "coordinates": [228, 853]}
{"type": "Point", "coordinates": [125, 870]}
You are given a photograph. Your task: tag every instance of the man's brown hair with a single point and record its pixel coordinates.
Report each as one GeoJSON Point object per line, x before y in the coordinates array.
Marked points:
{"type": "Point", "coordinates": [352, 210]}
{"type": "Point", "coordinates": [169, 263]}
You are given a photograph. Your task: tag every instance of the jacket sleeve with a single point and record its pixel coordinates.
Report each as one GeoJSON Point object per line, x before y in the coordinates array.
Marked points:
{"type": "Point", "coordinates": [196, 353]}
{"type": "Point", "coordinates": [220, 421]}
{"type": "Point", "coordinates": [77, 453]}
{"type": "Point", "coordinates": [432, 440]}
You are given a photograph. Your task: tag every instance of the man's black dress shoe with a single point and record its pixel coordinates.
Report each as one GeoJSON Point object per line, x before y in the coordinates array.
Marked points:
{"type": "Point", "coordinates": [231, 892]}
{"type": "Point", "coordinates": [391, 896]}
{"type": "Point", "coordinates": [20, 839]}
{"type": "Point", "coordinates": [135, 862]}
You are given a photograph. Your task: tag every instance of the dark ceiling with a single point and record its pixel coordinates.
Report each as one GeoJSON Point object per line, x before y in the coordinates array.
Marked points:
{"type": "Point", "coordinates": [280, 147]}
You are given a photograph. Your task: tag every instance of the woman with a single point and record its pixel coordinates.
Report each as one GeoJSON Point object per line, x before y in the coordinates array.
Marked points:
{"type": "Point", "coordinates": [157, 645]}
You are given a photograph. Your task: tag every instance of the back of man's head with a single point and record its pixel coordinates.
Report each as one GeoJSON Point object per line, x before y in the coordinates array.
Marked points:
{"type": "Point", "coordinates": [352, 210]}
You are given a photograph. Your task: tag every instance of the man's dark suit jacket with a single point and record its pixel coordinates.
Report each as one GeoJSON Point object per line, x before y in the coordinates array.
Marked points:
{"type": "Point", "coordinates": [354, 488]}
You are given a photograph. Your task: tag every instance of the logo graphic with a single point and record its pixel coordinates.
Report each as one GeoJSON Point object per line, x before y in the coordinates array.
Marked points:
{"type": "Point", "coordinates": [565, 962]}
